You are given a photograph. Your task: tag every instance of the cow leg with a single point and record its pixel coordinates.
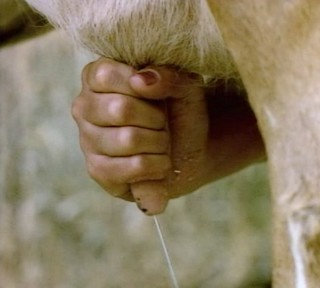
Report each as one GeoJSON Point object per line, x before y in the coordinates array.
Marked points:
{"type": "Point", "coordinates": [276, 46]}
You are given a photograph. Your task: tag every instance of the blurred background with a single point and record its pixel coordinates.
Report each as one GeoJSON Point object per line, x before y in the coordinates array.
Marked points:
{"type": "Point", "coordinates": [59, 229]}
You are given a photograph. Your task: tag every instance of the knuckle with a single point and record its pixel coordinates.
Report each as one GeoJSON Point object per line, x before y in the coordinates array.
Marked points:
{"type": "Point", "coordinates": [144, 168]}
{"type": "Point", "coordinates": [104, 74]}
{"type": "Point", "coordinates": [148, 164]}
{"type": "Point", "coordinates": [128, 137]}
{"type": "Point", "coordinates": [76, 108]}
{"type": "Point", "coordinates": [87, 141]}
{"type": "Point", "coordinates": [99, 170]}
{"type": "Point", "coordinates": [94, 165]}
{"type": "Point", "coordinates": [91, 167]}
{"type": "Point", "coordinates": [121, 111]}
{"type": "Point", "coordinates": [85, 73]}
{"type": "Point", "coordinates": [101, 174]}
{"type": "Point", "coordinates": [139, 164]}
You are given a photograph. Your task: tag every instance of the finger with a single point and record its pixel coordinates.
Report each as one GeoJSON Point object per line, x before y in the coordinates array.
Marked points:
{"type": "Point", "coordinates": [124, 141]}
{"type": "Point", "coordinates": [119, 170]}
{"type": "Point", "coordinates": [107, 76]}
{"type": "Point", "coordinates": [120, 110]}
{"type": "Point", "coordinates": [151, 196]}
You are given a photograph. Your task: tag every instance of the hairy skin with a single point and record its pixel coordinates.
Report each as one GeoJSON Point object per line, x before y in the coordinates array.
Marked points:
{"type": "Point", "coordinates": [141, 33]}
{"type": "Point", "coordinates": [280, 68]}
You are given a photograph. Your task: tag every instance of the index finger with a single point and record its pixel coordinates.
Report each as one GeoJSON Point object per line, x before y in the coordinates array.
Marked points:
{"type": "Point", "coordinates": [108, 76]}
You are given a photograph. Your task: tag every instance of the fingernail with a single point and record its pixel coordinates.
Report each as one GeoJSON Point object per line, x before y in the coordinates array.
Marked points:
{"type": "Point", "coordinates": [149, 76]}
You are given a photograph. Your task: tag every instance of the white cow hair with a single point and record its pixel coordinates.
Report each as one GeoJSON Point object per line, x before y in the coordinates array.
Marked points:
{"type": "Point", "coordinates": [296, 240]}
{"type": "Point", "coordinates": [177, 33]}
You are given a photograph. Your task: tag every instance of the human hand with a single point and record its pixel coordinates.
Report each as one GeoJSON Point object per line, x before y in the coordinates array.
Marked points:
{"type": "Point", "coordinates": [152, 135]}
{"type": "Point", "coordinates": [143, 133]}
